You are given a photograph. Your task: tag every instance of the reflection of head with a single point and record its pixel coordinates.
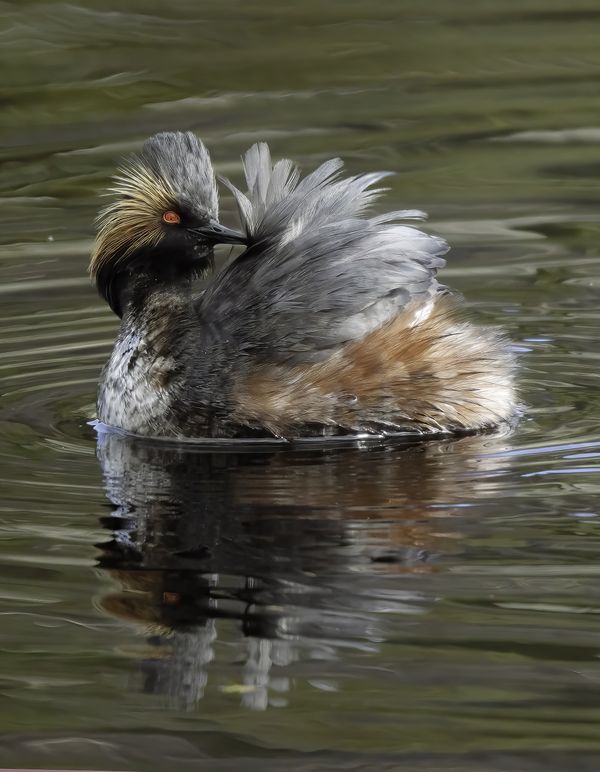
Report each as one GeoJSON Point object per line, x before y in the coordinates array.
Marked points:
{"type": "Point", "coordinates": [268, 540]}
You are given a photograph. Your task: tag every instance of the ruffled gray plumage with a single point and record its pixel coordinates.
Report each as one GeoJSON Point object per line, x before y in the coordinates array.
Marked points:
{"type": "Point", "coordinates": [318, 272]}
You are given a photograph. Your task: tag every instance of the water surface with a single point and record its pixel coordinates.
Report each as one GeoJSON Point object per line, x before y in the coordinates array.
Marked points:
{"type": "Point", "coordinates": [419, 606]}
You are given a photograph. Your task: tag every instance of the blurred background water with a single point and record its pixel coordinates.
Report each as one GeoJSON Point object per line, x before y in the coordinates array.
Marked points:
{"type": "Point", "coordinates": [420, 607]}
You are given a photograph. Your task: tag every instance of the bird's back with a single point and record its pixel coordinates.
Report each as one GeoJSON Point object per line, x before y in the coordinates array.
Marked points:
{"type": "Point", "coordinates": [319, 273]}
{"type": "Point", "coordinates": [334, 319]}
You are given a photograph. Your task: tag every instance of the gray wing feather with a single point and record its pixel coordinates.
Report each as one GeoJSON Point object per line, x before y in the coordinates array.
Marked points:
{"type": "Point", "coordinates": [318, 272]}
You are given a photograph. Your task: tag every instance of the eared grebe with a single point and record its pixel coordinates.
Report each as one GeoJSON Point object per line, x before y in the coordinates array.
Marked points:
{"type": "Point", "coordinates": [330, 322]}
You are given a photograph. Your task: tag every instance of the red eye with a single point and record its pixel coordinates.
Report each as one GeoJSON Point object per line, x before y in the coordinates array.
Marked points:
{"type": "Point", "coordinates": [171, 217]}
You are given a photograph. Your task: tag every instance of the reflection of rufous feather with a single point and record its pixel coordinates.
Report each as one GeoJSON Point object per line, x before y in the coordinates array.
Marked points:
{"type": "Point", "coordinates": [139, 599]}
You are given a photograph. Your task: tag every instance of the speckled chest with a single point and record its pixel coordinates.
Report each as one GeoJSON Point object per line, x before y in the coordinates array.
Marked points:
{"type": "Point", "coordinates": [136, 388]}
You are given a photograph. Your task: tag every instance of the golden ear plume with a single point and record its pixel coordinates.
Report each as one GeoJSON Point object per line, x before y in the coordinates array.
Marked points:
{"type": "Point", "coordinates": [133, 220]}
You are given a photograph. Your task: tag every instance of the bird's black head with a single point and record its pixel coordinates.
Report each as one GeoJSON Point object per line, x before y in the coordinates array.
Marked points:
{"type": "Point", "coordinates": [162, 223]}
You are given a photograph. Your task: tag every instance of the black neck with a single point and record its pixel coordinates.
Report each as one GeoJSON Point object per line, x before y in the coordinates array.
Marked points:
{"type": "Point", "coordinates": [128, 291]}
{"type": "Point", "coordinates": [127, 280]}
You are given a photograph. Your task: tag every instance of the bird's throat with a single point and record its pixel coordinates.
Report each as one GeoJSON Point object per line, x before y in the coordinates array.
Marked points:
{"type": "Point", "coordinates": [130, 290]}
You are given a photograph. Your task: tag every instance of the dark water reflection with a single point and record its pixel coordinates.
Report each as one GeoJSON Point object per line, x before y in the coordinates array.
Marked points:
{"type": "Point", "coordinates": [416, 607]}
{"type": "Point", "coordinates": [270, 540]}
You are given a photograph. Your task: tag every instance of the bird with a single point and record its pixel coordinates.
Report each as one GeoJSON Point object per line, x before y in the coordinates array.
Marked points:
{"type": "Point", "coordinates": [330, 322]}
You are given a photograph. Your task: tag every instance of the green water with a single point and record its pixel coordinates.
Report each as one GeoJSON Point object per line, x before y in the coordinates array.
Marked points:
{"type": "Point", "coordinates": [426, 607]}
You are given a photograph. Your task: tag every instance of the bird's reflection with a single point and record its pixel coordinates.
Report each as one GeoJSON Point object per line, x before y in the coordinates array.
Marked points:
{"type": "Point", "coordinates": [304, 550]}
